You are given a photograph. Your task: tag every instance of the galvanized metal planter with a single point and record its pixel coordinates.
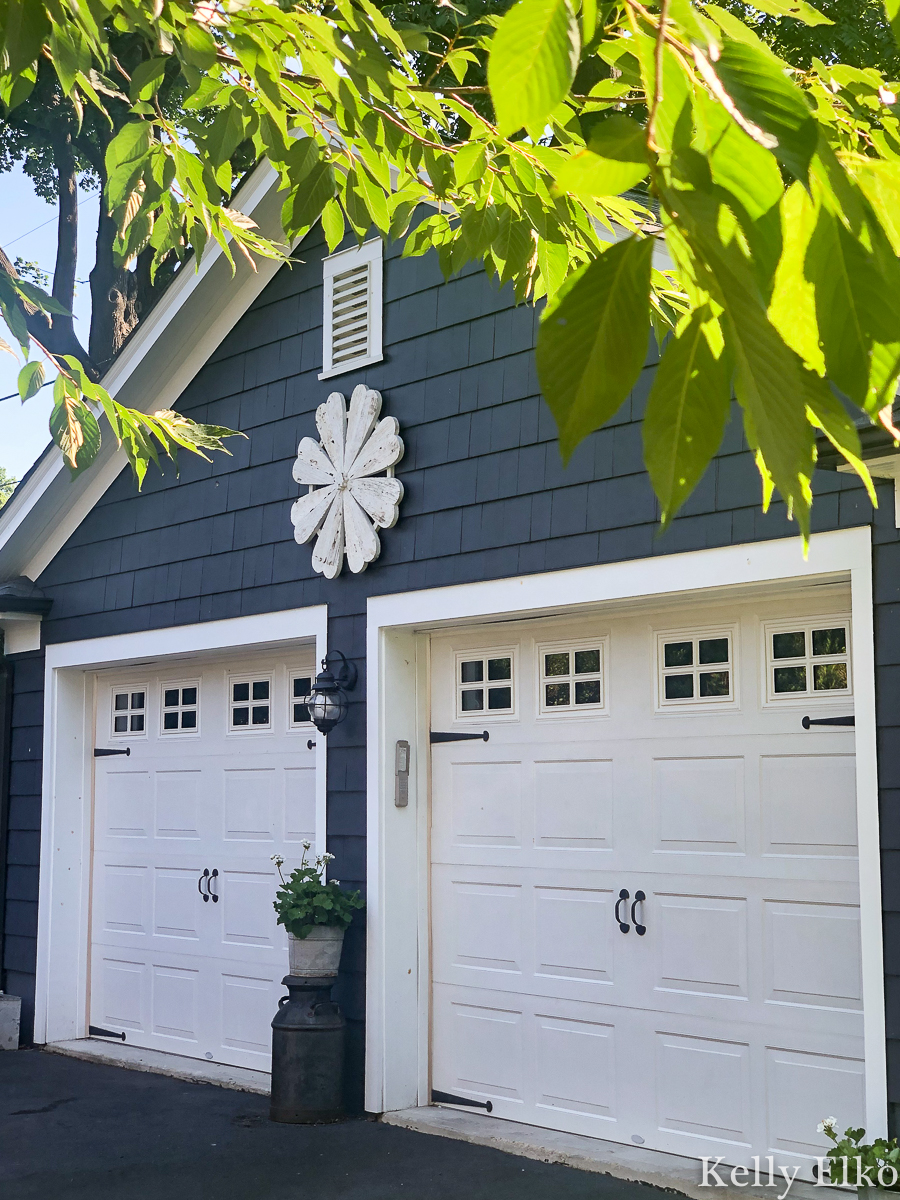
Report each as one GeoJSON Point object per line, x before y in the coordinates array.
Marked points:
{"type": "Point", "coordinates": [319, 953]}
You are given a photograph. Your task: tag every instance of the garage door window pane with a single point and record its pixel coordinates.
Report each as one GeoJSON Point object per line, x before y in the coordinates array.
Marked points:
{"type": "Point", "coordinates": [300, 690]}
{"type": "Point", "coordinates": [129, 711]}
{"type": "Point", "coordinates": [789, 645]}
{"type": "Point", "coordinates": [679, 654]}
{"type": "Point", "coordinates": [713, 650]}
{"type": "Point", "coordinates": [679, 687]}
{"type": "Point", "coordinates": [556, 694]}
{"type": "Point", "coordinates": [245, 713]}
{"type": "Point", "coordinates": [181, 709]}
{"type": "Point", "coordinates": [829, 641]}
{"type": "Point", "coordinates": [587, 662]}
{"type": "Point", "coordinates": [714, 683]}
{"type": "Point", "coordinates": [556, 664]}
{"type": "Point", "coordinates": [790, 679]}
{"type": "Point", "coordinates": [830, 677]}
{"type": "Point", "coordinates": [587, 691]}
{"type": "Point", "coordinates": [493, 668]}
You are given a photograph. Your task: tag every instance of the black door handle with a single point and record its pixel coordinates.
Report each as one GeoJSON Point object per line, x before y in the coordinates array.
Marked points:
{"type": "Point", "coordinates": [807, 721]}
{"type": "Point", "coordinates": [214, 896]}
{"type": "Point", "coordinates": [639, 898]}
{"type": "Point", "coordinates": [204, 876]}
{"type": "Point", "coordinates": [623, 925]}
{"type": "Point", "coordinates": [99, 752]}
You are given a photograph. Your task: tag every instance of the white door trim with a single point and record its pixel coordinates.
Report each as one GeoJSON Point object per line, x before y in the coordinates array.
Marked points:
{"type": "Point", "coordinates": [67, 790]}
{"type": "Point", "coordinates": [398, 706]}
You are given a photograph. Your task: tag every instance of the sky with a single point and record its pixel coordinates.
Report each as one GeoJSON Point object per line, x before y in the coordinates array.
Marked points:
{"type": "Point", "coordinates": [28, 231]}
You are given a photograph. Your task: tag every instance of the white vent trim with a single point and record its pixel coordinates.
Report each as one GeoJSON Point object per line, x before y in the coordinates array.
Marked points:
{"type": "Point", "coordinates": [352, 319]}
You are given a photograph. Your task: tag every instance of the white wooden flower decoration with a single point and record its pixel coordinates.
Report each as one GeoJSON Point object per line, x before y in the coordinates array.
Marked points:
{"type": "Point", "coordinates": [346, 505]}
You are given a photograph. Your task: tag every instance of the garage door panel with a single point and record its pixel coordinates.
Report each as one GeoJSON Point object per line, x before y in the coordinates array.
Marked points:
{"type": "Point", "coordinates": [177, 902]}
{"type": "Point", "coordinates": [573, 932]}
{"type": "Point", "coordinates": [805, 807]}
{"type": "Point", "coordinates": [802, 1088]}
{"type": "Point", "coordinates": [699, 804]}
{"type": "Point", "coordinates": [125, 803]}
{"type": "Point", "coordinates": [739, 829]}
{"type": "Point", "coordinates": [573, 804]}
{"type": "Point", "coordinates": [716, 1107]}
{"type": "Point", "coordinates": [702, 943]}
{"type": "Point", "coordinates": [178, 802]}
{"type": "Point", "coordinates": [173, 966]}
{"type": "Point", "coordinates": [813, 954]}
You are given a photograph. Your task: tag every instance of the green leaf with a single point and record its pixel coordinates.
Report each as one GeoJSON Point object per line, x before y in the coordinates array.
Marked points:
{"type": "Point", "coordinates": [303, 154]}
{"type": "Point", "coordinates": [306, 202]}
{"type": "Point", "coordinates": [25, 28]}
{"type": "Point", "coordinates": [792, 306]}
{"type": "Point", "coordinates": [771, 103]}
{"type": "Point", "coordinates": [31, 379]}
{"type": "Point", "coordinates": [736, 162]}
{"type": "Point", "coordinates": [469, 164]}
{"type": "Point", "coordinates": [198, 46]}
{"type": "Point", "coordinates": [798, 9]}
{"type": "Point", "coordinates": [855, 305]}
{"type": "Point", "coordinates": [73, 427]}
{"type": "Point", "coordinates": [593, 339]}
{"type": "Point", "coordinates": [614, 161]}
{"type": "Point", "coordinates": [333, 224]}
{"type": "Point", "coordinates": [687, 410]}
{"type": "Point", "coordinates": [827, 412]}
{"type": "Point", "coordinates": [533, 59]}
{"type": "Point", "coordinates": [225, 134]}
{"type": "Point", "coordinates": [125, 157]}
{"type": "Point", "coordinates": [892, 12]}
{"type": "Point", "coordinates": [146, 77]}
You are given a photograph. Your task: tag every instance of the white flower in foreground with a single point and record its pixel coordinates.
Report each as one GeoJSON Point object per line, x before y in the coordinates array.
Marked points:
{"type": "Point", "coordinates": [306, 845]}
{"type": "Point", "coordinates": [886, 96]}
{"type": "Point", "coordinates": [277, 860]}
{"type": "Point", "coordinates": [830, 1123]}
{"type": "Point", "coordinates": [345, 505]}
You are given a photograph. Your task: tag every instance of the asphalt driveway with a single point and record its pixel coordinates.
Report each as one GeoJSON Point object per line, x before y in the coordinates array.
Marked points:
{"type": "Point", "coordinates": [72, 1130]}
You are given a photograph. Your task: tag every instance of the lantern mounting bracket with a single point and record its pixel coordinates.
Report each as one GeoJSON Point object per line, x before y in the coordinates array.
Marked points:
{"type": "Point", "coordinates": [347, 674]}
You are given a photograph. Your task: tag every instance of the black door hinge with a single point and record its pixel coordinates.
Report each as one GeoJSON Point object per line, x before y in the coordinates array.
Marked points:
{"type": "Point", "coordinates": [449, 1098]}
{"type": "Point", "coordinates": [102, 753]}
{"type": "Point", "coordinates": [96, 1031]}
{"type": "Point", "coordinates": [807, 721]}
{"type": "Point", "coordinates": [459, 737]}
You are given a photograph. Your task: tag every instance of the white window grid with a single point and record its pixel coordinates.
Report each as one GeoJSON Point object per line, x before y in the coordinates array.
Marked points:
{"type": "Point", "coordinates": [128, 703]}
{"type": "Point", "coordinates": [705, 668]}
{"type": "Point", "coordinates": [353, 302]}
{"type": "Point", "coordinates": [180, 707]}
{"type": "Point", "coordinates": [578, 683]}
{"type": "Point", "coordinates": [299, 685]}
{"type": "Point", "coordinates": [809, 660]}
{"type": "Point", "coordinates": [250, 701]}
{"type": "Point", "coordinates": [495, 687]}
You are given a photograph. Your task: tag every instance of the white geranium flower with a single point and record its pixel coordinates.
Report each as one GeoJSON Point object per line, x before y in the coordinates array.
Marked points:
{"type": "Point", "coordinates": [277, 860]}
{"type": "Point", "coordinates": [830, 1123]}
{"type": "Point", "coordinates": [345, 505]}
{"type": "Point", "coordinates": [306, 845]}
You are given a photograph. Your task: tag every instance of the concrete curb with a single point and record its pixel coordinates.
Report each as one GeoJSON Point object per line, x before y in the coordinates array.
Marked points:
{"type": "Point", "coordinates": [176, 1066]}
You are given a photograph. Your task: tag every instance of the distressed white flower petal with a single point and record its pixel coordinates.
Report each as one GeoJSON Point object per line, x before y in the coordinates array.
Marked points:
{"type": "Point", "coordinates": [309, 511]}
{"type": "Point", "coordinates": [382, 450]}
{"type": "Point", "coordinates": [379, 497]}
{"type": "Point", "coordinates": [312, 465]}
{"type": "Point", "coordinates": [361, 542]}
{"type": "Point", "coordinates": [328, 554]}
{"type": "Point", "coordinates": [365, 405]}
{"type": "Point", "coordinates": [331, 422]}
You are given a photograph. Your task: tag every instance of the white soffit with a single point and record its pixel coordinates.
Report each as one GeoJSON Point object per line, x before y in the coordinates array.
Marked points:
{"type": "Point", "coordinates": [168, 349]}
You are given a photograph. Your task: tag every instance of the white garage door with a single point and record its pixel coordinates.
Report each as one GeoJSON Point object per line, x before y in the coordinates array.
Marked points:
{"type": "Point", "coordinates": [186, 954]}
{"type": "Point", "coordinates": [645, 886]}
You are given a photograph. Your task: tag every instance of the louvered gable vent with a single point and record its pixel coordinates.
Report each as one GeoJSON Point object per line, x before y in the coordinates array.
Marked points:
{"type": "Point", "coordinates": [352, 317]}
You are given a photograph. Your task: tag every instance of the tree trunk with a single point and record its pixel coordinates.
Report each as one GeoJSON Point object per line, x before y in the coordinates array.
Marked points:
{"type": "Point", "coordinates": [67, 235]}
{"type": "Point", "coordinates": [114, 297]}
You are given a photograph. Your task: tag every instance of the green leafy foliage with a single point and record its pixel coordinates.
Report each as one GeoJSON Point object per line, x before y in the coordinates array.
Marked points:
{"type": "Point", "coordinates": [853, 1162]}
{"type": "Point", "coordinates": [514, 136]}
{"type": "Point", "coordinates": [305, 899]}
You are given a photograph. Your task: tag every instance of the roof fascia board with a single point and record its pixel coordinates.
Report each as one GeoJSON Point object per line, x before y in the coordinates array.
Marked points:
{"type": "Point", "coordinates": [178, 337]}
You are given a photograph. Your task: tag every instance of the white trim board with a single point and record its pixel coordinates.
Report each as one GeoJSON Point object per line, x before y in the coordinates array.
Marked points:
{"type": "Point", "coordinates": [398, 706]}
{"type": "Point", "coordinates": [61, 986]}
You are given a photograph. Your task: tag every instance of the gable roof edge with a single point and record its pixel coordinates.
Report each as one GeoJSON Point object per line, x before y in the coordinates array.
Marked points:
{"type": "Point", "coordinates": [167, 350]}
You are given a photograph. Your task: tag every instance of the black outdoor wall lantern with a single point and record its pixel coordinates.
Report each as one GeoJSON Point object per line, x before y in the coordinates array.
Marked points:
{"type": "Point", "coordinates": [327, 700]}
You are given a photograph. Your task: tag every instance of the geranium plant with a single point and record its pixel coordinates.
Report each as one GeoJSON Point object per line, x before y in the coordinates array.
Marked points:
{"type": "Point", "coordinates": [855, 1163]}
{"type": "Point", "coordinates": [305, 898]}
